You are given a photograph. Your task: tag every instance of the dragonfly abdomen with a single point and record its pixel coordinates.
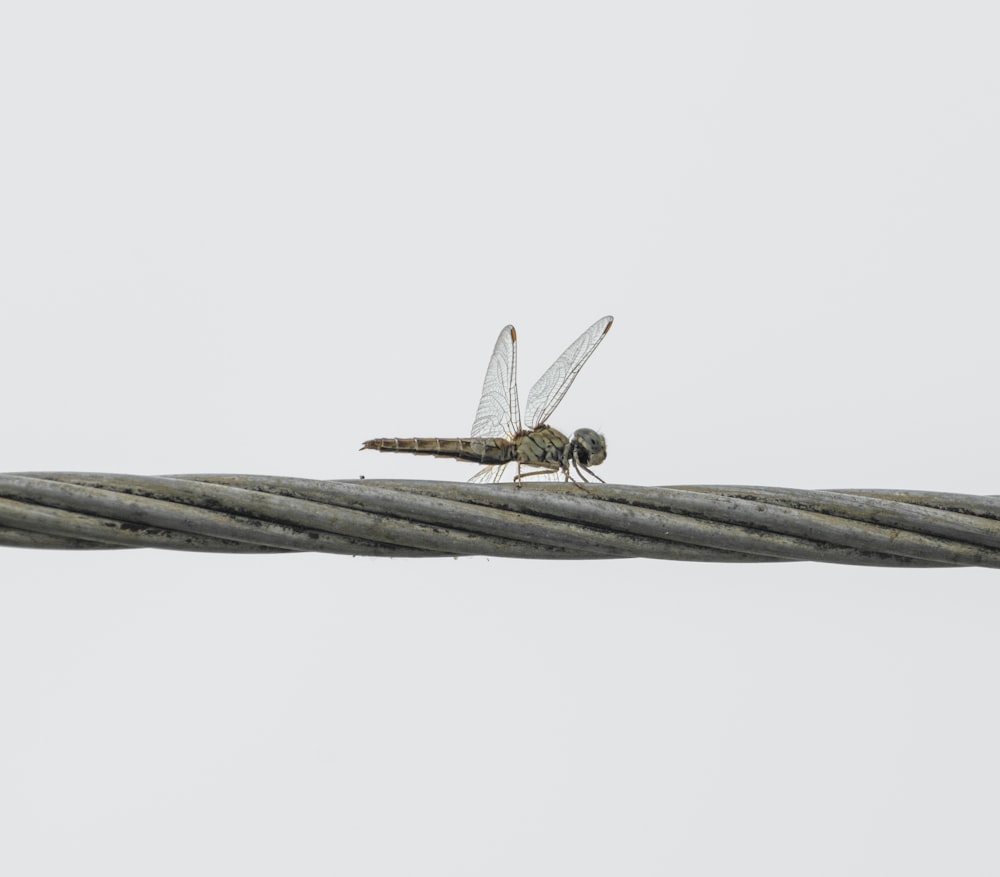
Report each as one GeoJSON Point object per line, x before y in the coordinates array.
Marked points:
{"type": "Point", "coordinates": [487, 451]}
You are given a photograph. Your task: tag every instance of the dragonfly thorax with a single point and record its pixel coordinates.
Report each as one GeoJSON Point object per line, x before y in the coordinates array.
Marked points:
{"type": "Point", "coordinates": [543, 446]}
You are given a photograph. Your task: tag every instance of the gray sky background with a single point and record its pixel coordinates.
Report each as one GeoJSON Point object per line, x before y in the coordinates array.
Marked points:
{"type": "Point", "coordinates": [244, 238]}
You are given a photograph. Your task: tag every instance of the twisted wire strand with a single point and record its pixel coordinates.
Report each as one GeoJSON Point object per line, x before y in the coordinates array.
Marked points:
{"type": "Point", "coordinates": [268, 514]}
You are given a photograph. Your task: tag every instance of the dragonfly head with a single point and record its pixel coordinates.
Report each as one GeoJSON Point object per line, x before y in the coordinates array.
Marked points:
{"type": "Point", "coordinates": [588, 448]}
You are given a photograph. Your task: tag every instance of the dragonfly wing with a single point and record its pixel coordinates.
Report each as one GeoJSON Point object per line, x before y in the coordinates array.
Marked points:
{"type": "Point", "coordinates": [489, 475]}
{"type": "Point", "coordinates": [499, 412]}
{"type": "Point", "coordinates": [548, 392]}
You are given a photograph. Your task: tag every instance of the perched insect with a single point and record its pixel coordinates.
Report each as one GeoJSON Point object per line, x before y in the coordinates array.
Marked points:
{"type": "Point", "coordinates": [498, 436]}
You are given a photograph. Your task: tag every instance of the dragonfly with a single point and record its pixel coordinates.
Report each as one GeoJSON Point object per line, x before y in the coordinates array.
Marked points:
{"type": "Point", "coordinates": [498, 436]}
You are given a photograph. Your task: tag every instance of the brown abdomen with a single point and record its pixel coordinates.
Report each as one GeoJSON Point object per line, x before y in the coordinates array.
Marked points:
{"type": "Point", "coordinates": [487, 451]}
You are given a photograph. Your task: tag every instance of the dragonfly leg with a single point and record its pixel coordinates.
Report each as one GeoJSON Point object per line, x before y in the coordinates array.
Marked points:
{"type": "Point", "coordinates": [522, 475]}
{"type": "Point", "coordinates": [578, 466]}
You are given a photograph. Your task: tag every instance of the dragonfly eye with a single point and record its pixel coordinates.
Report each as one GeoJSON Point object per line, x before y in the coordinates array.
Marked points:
{"type": "Point", "coordinates": [589, 447]}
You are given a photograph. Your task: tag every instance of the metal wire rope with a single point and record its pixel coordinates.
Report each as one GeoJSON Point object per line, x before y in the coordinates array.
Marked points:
{"type": "Point", "coordinates": [265, 514]}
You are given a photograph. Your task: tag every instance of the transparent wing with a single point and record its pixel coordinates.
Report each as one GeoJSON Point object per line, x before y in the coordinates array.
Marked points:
{"type": "Point", "coordinates": [499, 412]}
{"type": "Point", "coordinates": [489, 475]}
{"type": "Point", "coordinates": [546, 395]}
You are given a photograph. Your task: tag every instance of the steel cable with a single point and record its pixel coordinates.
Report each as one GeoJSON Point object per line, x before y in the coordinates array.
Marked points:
{"type": "Point", "coordinates": [264, 514]}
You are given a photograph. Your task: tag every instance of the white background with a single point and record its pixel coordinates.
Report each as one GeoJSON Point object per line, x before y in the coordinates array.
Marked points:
{"type": "Point", "coordinates": [246, 237]}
